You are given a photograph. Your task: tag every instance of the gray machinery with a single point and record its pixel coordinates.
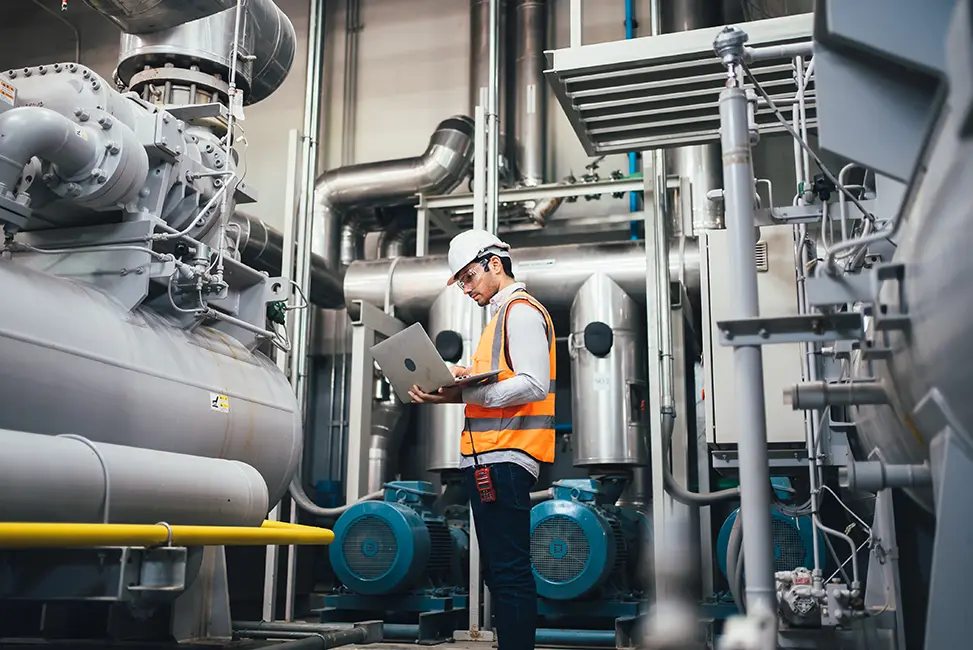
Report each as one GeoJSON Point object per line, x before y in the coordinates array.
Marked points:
{"type": "Point", "coordinates": [132, 327]}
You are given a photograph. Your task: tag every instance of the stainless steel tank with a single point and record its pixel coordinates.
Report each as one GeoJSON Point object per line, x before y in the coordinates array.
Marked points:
{"type": "Point", "coordinates": [441, 425]}
{"type": "Point", "coordinates": [74, 361]}
{"type": "Point", "coordinates": [608, 387]}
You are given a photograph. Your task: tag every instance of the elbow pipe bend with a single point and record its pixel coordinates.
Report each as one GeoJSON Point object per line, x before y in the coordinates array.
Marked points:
{"type": "Point", "coordinates": [440, 169]}
{"type": "Point", "coordinates": [32, 131]}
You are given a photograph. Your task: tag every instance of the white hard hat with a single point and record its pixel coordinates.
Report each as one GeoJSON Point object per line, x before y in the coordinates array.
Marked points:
{"type": "Point", "coordinates": [470, 246]}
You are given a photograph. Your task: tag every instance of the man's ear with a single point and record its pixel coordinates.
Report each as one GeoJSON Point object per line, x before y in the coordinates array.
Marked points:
{"type": "Point", "coordinates": [495, 265]}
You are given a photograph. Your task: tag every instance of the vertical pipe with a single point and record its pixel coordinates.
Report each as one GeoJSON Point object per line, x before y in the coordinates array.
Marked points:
{"type": "Point", "coordinates": [493, 119]}
{"type": "Point", "coordinates": [633, 158]}
{"type": "Point", "coordinates": [738, 183]}
{"type": "Point", "coordinates": [530, 124]}
{"type": "Point", "coordinates": [480, 62]}
{"type": "Point", "coordinates": [699, 163]}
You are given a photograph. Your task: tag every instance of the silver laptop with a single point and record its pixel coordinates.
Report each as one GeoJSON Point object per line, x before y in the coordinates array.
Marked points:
{"type": "Point", "coordinates": [410, 358]}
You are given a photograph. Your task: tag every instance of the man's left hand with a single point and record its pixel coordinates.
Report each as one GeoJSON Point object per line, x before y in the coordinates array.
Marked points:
{"type": "Point", "coordinates": [448, 395]}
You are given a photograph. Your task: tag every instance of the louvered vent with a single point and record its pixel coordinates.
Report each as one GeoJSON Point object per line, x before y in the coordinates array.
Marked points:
{"type": "Point", "coordinates": [761, 256]}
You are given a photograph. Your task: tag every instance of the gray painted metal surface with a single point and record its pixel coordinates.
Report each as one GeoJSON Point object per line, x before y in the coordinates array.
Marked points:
{"type": "Point", "coordinates": [91, 482]}
{"type": "Point", "coordinates": [76, 362]}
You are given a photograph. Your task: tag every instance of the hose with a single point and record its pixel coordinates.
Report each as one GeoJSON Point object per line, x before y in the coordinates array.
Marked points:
{"type": "Point", "coordinates": [296, 490]}
{"type": "Point", "coordinates": [734, 562]}
{"type": "Point", "coordinates": [675, 490]}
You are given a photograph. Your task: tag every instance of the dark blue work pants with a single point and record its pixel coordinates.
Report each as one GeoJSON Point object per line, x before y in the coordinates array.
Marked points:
{"type": "Point", "coordinates": [503, 531]}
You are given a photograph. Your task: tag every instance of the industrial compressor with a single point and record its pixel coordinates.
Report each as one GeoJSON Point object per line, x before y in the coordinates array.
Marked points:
{"type": "Point", "coordinates": [398, 555]}
{"type": "Point", "coordinates": [586, 551]}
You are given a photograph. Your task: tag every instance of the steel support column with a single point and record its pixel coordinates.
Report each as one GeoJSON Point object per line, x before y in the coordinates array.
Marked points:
{"type": "Point", "coordinates": [371, 322]}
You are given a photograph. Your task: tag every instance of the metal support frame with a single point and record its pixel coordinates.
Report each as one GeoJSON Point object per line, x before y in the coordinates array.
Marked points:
{"type": "Point", "coordinates": [370, 322]}
{"type": "Point", "coordinates": [658, 347]}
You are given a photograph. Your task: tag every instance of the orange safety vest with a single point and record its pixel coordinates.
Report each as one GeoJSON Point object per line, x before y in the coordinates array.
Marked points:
{"type": "Point", "coordinates": [524, 427]}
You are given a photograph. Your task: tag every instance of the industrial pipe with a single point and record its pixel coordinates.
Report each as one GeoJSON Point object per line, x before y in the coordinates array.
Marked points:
{"type": "Point", "coordinates": [261, 247]}
{"type": "Point", "coordinates": [91, 482]}
{"type": "Point", "coordinates": [410, 632]}
{"type": "Point", "coordinates": [56, 535]}
{"type": "Point", "coordinates": [443, 165]}
{"type": "Point", "coordinates": [311, 635]}
{"type": "Point", "coordinates": [304, 502]}
{"type": "Point", "coordinates": [872, 476]}
{"type": "Point", "coordinates": [814, 395]}
{"type": "Point", "coordinates": [552, 273]}
{"type": "Point", "coordinates": [35, 131]}
{"type": "Point", "coordinates": [164, 29]}
{"type": "Point", "coordinates": [530, 124]}
{"type": "Point", "coordinates": [747, 359]}
{"type": "Point", "coordinates": [385, 439]}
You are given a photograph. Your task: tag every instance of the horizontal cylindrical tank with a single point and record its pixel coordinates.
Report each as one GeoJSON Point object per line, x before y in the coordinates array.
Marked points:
{"type": "Point", "coordinates": [553, 274]}
{"type": "Point", "coordinates": [608, 388]}
{"type": "Point", "coordinates": [65, 479]}
{"type": "Point", "coordinates": [74, 361]}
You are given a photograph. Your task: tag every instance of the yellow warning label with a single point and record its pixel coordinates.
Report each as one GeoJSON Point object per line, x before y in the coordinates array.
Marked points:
{"type": "Point", "coordinates": [219, 402]}
{"type": "Point", "coordinates": [81, 134]}
{"type": "Point", "coordinates": [8, 93]}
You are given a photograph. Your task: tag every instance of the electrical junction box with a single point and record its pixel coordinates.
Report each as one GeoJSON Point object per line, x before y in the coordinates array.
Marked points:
{"type": "Point", "coordinates": [777, 289]}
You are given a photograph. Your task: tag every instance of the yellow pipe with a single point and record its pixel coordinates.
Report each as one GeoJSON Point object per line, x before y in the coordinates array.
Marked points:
{"type": "Point", "coordinates": [47, 535]}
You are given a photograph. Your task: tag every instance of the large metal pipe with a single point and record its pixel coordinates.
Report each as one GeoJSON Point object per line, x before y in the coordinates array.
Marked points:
{"type": "Point", "coordinates": [159, 32]}
{"type": "Point", "coordinates": [480, 66]}
{"type": "Point", "coordinates": [146, 16]}
{"type": "Point", "coordinates": [530, 90]}
{"type": "Point", "coordinates": [75, 361]}
{"type": "Point", "coordinates": [387, 430]}
{"type": "Point", "coordinates": [443, 165]}
{"type": "Point", "coordinates": [699, 163]}
{"type": "Point", "coordinates": [35, 131]}
{"type": "Point", "coordinates": [553, 273]}
{"type": "Point", "coordinates": [261, 246]}
{"type": "Point", "coordinates": [89, 482]}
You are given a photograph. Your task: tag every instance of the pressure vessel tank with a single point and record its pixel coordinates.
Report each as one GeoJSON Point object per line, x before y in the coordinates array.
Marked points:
{"type": "Point", "coordinates": [931, 356]}
{"type": "Point", "coordinates": [75, 361]}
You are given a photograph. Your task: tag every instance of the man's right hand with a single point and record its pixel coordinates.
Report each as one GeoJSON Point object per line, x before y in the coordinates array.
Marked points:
{"type": "Point", "coordinates": [459, 371]}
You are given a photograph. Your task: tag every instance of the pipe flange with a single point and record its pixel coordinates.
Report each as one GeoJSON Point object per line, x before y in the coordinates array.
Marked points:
{"type": "Point", "coordinates": [114, 178]}
{"type": "Point", "coordinates": [180, 77]}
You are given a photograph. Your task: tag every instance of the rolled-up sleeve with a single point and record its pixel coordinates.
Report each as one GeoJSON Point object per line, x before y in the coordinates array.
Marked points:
{"type": "Point", "coordinates": [529, 359]}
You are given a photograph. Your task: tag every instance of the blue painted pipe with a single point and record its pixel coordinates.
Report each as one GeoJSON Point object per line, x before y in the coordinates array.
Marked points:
{"type": "Point", "coordinates": [544, 636]}
{"type": "Point", "coordinates": [633, 165]}
{"type": "Point", "coordinates": [563, 427]}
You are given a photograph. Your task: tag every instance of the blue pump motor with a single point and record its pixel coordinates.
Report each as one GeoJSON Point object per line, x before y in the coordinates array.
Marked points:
{"type": "Point", "coordinates": [399, 545]}
{"type": "Point", "coordinates": [793, 542]}
{"type": "Point", "coordinates": [581, 545]}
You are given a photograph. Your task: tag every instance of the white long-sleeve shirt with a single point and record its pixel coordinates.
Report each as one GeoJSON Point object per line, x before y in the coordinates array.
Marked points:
{"type": "Point", "coordinates": [531, 362]}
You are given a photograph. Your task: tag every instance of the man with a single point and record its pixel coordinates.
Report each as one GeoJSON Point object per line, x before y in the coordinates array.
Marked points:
{"type": "Point", "coordinates": [509, 425]}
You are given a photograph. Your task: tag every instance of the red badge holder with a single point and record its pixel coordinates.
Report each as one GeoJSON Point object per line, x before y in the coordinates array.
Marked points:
{"type": "Point", "coordinates": [482, 474]}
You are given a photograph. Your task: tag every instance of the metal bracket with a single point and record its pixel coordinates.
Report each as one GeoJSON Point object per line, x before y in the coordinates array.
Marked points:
{"type": "Point", "coordinates": [110, 574]}
{"type": "Point", "coordinates": [827, 290]}
{"type": "Point", "coordinates": [812, 328]}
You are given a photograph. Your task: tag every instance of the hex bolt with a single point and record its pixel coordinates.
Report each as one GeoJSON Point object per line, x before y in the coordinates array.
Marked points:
{"type": "Point", "coordinates": [102, 177]}
{"type": "Point", "coordinates": [105, 122]}
{"type": "Point", "coordinates": [165, 118]}
{"type": "Point", "coordinates": [763, 333]}
{"type": "Point", "coordinates": [81, 114]}
{"type": "Point", "coordinates": [113, 148]}
{"type": "Point", "coordinates": [218, 182]}
{"type": "Point", "coordinates": [73, 189]}
{"type": "Point", "coordinates": [95, 173]}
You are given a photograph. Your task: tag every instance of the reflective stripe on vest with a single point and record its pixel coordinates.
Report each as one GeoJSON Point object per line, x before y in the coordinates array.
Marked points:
{"type": "Point", "coordinates": [526, 427]}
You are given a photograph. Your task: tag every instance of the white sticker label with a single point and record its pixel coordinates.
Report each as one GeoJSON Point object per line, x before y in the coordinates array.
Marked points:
{"type": "Point", "coordinates": [219, 402]}
{"type": "Point", "coordinates": [81, 134]}
{"type": "Point", "coordinates": [535, 264]}
{"type": "Point", "coordinates": [602, 381]}
{"type": "Point", "coordinates": [8, 94]}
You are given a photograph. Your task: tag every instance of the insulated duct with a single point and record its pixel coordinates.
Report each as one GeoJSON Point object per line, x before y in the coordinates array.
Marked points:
{"type": "Point", "coordinates": [387, 431]}
{"type": "Point", "coordinates": [443, 165]}
{"type": "Point", "coordinates": [81, 480]}
{"type": "Point", "coordinates": [480, 69]}
{"type": "Point", "coordinates": [698, 163]}
{"type": "Point", "coordinates": [262, 246]}
{"type": "Point", "coordinates": [188, 44]}
{"type": "Point", "coordinates": [553, 273]}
